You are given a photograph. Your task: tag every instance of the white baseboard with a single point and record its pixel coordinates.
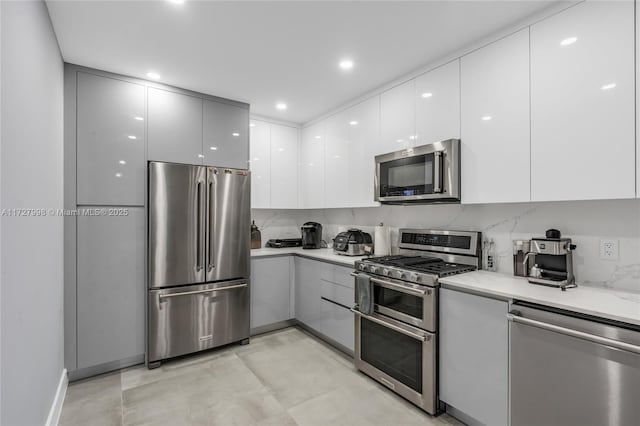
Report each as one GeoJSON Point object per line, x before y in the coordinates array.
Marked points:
{"type": "Point", "coordinates": [56, 406]}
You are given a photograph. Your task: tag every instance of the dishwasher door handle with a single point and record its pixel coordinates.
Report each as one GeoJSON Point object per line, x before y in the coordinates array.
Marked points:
{"type": "Point", "coordinates": [575, 333]}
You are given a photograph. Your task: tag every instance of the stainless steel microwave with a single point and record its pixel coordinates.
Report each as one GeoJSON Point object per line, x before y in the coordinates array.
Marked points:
{"type": "Point", "coordinates": [423, 174]}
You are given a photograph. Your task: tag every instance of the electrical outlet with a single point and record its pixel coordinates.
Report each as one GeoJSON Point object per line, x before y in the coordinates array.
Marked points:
{"type": "Point", "coordinates": [609, 249]}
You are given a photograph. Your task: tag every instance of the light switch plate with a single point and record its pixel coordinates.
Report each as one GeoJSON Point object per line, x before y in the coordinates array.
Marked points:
{"type": "Point", "coordinates": [609, 249]}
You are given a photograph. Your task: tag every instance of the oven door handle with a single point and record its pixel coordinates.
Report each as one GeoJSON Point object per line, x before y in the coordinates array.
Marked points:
{"type": "Point", "coordinates": [400, 287]}
{"type": "Point", "coordinates": [391, 326]}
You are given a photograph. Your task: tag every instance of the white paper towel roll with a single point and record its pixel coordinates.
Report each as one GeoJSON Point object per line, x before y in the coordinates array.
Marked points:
{"type": "Point", "coordinates": [382, 240]}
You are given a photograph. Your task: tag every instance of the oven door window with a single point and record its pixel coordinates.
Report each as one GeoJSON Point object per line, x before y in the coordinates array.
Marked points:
{"type": "Point", "coordinates": [407, 304]}
{"type": "Point", "coordinates": [407, 176]}
{"type": "Point", "coordinates": [393, 353]}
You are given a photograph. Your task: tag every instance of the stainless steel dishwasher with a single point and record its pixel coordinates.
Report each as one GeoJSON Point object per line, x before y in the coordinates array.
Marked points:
{"type": "Point", "coordinates": [571, 369]}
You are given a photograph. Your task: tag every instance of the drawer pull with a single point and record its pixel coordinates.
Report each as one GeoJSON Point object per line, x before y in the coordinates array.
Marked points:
{"type": "Point", "coordinates": [209, 290]}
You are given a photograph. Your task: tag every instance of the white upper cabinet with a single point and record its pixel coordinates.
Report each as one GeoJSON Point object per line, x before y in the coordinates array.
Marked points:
{"type": "Point", "coordinates": [110, 127]}
{"type": "Point", "coordinates": [226, 135]}
{"type": "Point", "coordinates": [437, 99]}
{"type": "Point", "coordinates": [311, 190]}
{"type": "Point", "coordinates": [397, 118]}
{"type": "Point", "coordinates": [495, 122]}
{"type": "Point", "coordinates": [260, 164]}
{"type": "Point", "coordinates": [336, 155]}
{"type": "Point", "coordinates": [284, 167]}
{"type": "Point", "coordinates": [364, 135]}
{"type": "Point", "coordinates": [582, 103]}
{"type": "Point", "coordinates": [174, 127]}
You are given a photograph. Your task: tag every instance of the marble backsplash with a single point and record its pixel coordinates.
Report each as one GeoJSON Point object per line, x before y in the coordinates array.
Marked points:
{"type": "Point", "coordinates": [586, 222]}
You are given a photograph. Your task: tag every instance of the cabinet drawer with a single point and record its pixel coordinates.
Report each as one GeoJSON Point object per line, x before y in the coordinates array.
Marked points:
{"type": "Point", "coordinates": [337, 293]}
{"type": "Point", "coordinates": [338, 275]}
{"type": "Point", "coordinates": [337, 324]}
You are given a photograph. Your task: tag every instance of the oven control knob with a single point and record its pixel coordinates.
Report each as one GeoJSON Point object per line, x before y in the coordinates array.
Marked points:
{"type": "Point", "coordinates": [385, 271]}
{"type": "Point", "coordinates": [400, 274]}
{"type": "Point", "coordinates": [418, 278]}
{"type": "Point", "coordinates": [373, 269]}
{"type": "Point", "coordinates": [413, 277]}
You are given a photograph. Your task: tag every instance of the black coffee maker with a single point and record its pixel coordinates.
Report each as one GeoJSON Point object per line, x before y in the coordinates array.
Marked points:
{"type": "Point", "coordinates": [311, 235]}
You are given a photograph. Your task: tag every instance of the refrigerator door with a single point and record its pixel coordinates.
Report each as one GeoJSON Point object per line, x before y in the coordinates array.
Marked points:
{"type": "Point", "coordinates": [228, 224]}
{"type": "Point", "coordinates": [193, 318]}
{"type": "Point", "coordinates": [177, 221]}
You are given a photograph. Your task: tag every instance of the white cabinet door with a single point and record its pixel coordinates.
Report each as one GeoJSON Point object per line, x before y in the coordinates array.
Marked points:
{"type": "Point", "coordinates": [397, 118]}
{"type": "Point", "coordinates": [582, 103]}
{"type": "Point", "coordinates": [226, 135]}
{"type": "Point", "coordinates": [437, 99]}
{"type": "Point", "coordinates": [308, 292]}
{"type": "Point", "coordinates": [495, 122]}
{"type": "Point", "coordinates": [637, 99]}
{"type": "Point", "coordinates": [364, 135]}
{"type": "Point", "coordinates": [174, 127]}
{"type": "Point", "coordinates": [336, 157]}
{"type": "Point", "coordinates": [270, 291]}
{"type": "Point", "coordinates": [110, 162]}
{"type": "Point", "coordinates": [474, 356]}
{"type": "Point", "coordinates": [284, 167]}
{"type": "Point", "coordinates": [312, 173]}
{"type": "Point", "coordinates": [260, 164]}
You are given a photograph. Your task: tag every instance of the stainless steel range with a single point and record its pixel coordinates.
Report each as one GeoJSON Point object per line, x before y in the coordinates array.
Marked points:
{"type": "Point", "coordinates": [396, 343]}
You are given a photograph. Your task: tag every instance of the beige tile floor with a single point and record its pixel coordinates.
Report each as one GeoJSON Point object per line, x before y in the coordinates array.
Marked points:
{"type": "Point", "coordinates": [282, 378]}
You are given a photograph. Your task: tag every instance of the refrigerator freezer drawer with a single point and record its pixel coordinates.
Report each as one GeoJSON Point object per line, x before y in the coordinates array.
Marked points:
{"type": "Point", "coordinates": [193, 318]}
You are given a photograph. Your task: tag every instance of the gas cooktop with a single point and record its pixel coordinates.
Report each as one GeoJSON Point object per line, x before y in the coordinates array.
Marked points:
{"type": "Point", "coordinates": [427, 264]}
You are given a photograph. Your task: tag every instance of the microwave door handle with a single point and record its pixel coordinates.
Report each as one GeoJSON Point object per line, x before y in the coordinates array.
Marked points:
{"type": "Point", "coordinates": [437, 172]}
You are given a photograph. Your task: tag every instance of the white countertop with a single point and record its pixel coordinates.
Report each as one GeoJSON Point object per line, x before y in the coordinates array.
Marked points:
{"type": "Point", "coordinates": [324, 254]}
{"type": "Point", "coordinates": [600, 302]}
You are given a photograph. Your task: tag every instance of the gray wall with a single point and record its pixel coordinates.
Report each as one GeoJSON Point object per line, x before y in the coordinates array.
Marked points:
{"type": "Point", "coordinates": [586, 222]}
{"type": "Point", "coordinates": [31, 260]}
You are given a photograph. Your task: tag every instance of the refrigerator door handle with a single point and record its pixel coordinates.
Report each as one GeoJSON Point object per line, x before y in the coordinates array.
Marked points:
{"type": "Point", "coordinates": [199, 230]}
{"type": "Point", "coordinates": [210, 226]}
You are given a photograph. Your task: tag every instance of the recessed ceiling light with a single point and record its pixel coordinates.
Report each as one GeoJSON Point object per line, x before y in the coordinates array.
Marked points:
{"type": "Point", "coordinates": [346, 64]}
{"type": "Point", "coordinates": [200, 156]}
{"type": "Point", "coordinates": [412, 137]}
{"type": "Point", "coordinates": [569, 40]}
{"type": "Point", "coordinates": [153, 75]}
{"type": "Point", "coordinates": [318, 137]}
{"type": "Point", "coordinates": [281, 106]}
{"type": "Point", "coordinates": [336, 156]}
{"type": "Point", "coordinates": [122, 162]}
{"type": "Point", "coordinates": [256, 159]}
{"type": "Point", "coordinates": [138, 118]}
{"type": "Point", "coordinates": [427, 95]}
{"type": "Point", "coordinates": [118, 174]}
{"type": "Point", "coordinates": [280, 149]}
{"type": "Point", "coordinates": [486, 118]}
{"type": "Point", "coordinates": [176, 1]}
{"type": "Point", "coordinates": [235, 134]}
{"type": "Point", "coordinates": [608, 86]}
{"type": "Point", "coordinates": [353, 123]}
{"type": "Point", "coordinates": [252, 124]}
{"type": "Point", "coordinates": [132, 137]}
{"type": "Point", "coordinates": [213, 148]}
{"type": "Point", "coordinates": [400, 140]}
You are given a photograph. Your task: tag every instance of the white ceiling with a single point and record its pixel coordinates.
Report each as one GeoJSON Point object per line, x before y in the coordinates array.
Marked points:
{"type": "Point", "coordinates": [266, 52]}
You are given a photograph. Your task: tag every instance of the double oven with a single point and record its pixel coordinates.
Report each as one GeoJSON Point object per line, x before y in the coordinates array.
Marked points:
{"type": "Point", "coordinates": [393, 343]}
{"type": "Point", "coordinates": [397, 343]}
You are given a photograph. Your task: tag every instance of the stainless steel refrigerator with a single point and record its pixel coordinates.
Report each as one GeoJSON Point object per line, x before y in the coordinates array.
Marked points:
{"type": "Point", "coordinates": [198, 258]}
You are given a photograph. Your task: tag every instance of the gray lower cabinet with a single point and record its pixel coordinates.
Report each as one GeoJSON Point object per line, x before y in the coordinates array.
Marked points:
{"type": "Point", "coordinates": [474, 356]}
{"type": "Point", "coordinates": [110, 288]}
{"type": "Point", "coordinates": [324, 294]}
{"type": "Point", "coordinates": [174, 131]}
{"type": "Point", "coordinates": [270, 290]}
{"type": "Point", "coordinates": [308, 290]}
{"type": "Point", "coordinates": [110, 132]}
{"type": "Point", "coordinates": [226, 135]}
